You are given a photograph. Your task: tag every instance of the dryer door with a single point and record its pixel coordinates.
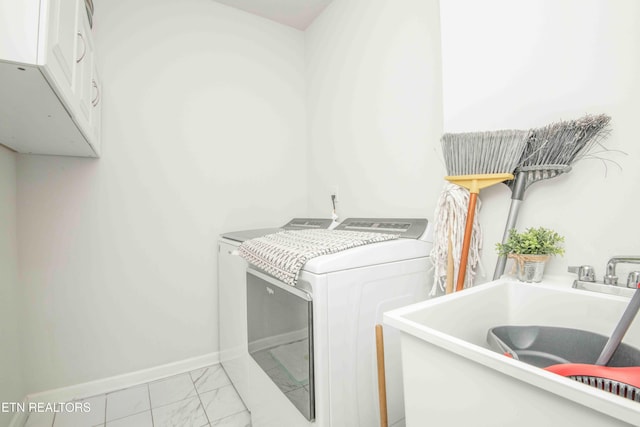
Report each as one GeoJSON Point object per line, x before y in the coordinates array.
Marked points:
{"type": "Point", "coordinates": [280, 337]}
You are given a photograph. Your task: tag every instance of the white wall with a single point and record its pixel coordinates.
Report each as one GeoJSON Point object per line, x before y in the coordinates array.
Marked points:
{"type": "Point", "coordinates": [203, 132]}
{"type": "Point", "coordinates": [524, 64]}
{"type": "Point", "coordinates": [11, 380]}
{"type": "Point", "coordinates": [374, 108]}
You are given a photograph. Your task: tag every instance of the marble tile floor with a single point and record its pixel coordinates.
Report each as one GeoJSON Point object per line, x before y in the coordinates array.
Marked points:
{"type": "Point", "coordinates": [200, 398]}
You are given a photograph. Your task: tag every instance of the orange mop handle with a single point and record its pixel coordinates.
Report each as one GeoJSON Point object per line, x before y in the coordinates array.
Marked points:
{"type": "Point", "coordinates": [464, 255]}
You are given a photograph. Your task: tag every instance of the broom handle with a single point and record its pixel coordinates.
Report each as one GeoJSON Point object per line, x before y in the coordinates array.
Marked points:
{"type": "Point", "coordinates": [621, 328]}
{"type": "Point", "coordinates": [382, 384]}
{"type": "Point", "coordinates": [517, 195]}
{"type": "Point", "coordinates": [511, 223]}
{"type": "Point", "coordinates": [464, 255]}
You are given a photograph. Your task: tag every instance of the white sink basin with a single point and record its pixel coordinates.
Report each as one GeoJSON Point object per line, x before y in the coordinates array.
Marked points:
{"type": "Point", "coordinates": [452, 377]}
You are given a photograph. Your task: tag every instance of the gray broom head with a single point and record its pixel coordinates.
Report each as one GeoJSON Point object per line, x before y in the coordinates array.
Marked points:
{"type": "Point", "coordinates": [479, 153]}
{"type": "Point", "coordinates": [561, 144]}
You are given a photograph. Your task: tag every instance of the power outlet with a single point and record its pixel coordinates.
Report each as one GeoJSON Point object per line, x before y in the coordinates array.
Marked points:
{"type": "Point", "coordinates": [333, 197]}
{"type": "Point", "coordinates": [333, 191]}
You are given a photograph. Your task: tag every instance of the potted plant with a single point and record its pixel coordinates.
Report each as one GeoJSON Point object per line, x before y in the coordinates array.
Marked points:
{"type": "Point", "coordinates": [531, 249]}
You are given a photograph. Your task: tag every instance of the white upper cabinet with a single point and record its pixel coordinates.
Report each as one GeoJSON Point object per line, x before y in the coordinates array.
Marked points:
{"type": "Point", "coordinates": [55, 45]}
{"type": "Point", "coordinates": [83, 61]}
{"type": "Point", "coordinates": [62, 48]}
{"type": "Point", "coordinates": [96, 104]}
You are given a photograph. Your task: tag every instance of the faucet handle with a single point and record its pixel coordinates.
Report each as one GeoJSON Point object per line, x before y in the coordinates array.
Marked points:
{"type": "Point", "coordinates": [585, 272]}
{"type": "Point", "coordinates": [633, 281]}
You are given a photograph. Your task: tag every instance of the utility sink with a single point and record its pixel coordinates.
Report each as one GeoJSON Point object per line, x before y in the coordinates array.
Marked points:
{"type": "Point", "coordinates": [453, 377]}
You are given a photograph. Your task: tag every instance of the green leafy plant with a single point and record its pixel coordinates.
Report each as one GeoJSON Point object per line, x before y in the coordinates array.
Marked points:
{"type": "Point", "coordinates": [533, 241]}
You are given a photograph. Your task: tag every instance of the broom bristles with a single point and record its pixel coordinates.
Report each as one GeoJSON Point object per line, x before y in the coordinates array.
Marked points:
{"type": "Point", "coordinates": [565, 142]}
{"type": "Point", "coordinates": [476, 153]}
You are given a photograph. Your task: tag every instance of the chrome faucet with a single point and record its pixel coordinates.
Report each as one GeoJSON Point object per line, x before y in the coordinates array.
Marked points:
{"type": "Point", "coordinates": [610, 277]}
{"type": "Point", "coordinates": [585, 273]}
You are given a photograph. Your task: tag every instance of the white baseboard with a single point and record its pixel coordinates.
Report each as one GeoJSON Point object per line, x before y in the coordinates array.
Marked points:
{"type": "Point", "coordinates": [106, 385]}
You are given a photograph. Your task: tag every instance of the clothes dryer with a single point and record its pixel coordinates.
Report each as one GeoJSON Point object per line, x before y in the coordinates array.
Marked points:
{"type": "Point", "coordinates": [326, 326]}
{"type": "Point", "coordinates": [232, 299]}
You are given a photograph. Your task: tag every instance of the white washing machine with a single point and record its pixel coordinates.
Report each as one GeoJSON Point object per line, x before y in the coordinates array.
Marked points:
{"type": "Point", "coordinates": [305, 355]}
{"type": "Point", "coordinates": [232, 298]}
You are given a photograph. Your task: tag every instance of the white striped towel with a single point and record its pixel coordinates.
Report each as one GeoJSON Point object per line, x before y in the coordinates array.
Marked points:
{"type": "Point", "coordinates": [283, 254]}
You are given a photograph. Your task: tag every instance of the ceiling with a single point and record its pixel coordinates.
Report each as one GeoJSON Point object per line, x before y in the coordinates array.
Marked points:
{"type": "Point", "coordinates": [294, 13]}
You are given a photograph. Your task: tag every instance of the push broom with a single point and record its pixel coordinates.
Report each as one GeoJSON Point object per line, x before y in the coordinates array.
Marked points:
{"type": "Point", "coordinates": [475, 161]}
{"type": "Point", "coordinates": [549, 152]}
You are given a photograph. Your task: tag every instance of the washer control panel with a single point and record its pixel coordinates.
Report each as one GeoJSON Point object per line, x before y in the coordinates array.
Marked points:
{"type": "Point", "coordinates": [306, 223]}
{"type": "Point", "coordinates": [409, 228]}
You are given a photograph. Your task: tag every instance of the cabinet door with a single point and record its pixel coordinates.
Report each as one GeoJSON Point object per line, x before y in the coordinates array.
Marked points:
{"type": "Point", "coordinates": [62, 41]}
{"type": "Point", "coordinates": [83, 87]}
{"type": "Point", "coordinates": [96, 108]}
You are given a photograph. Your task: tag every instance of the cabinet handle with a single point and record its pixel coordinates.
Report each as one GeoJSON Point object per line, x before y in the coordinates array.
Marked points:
{"type": "Point", "coordinates": [96, 100]}
{"type": "Point", "coordinates": [84, 48]}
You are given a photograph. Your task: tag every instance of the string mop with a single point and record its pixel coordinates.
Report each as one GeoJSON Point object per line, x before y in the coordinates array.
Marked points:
{"type": "Point", "coordinates": [449, 225]}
